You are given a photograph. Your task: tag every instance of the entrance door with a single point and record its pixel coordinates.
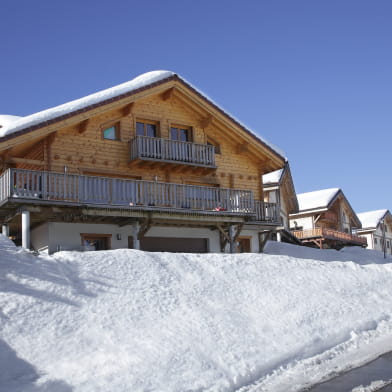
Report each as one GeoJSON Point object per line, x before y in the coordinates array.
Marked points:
{"type": "Point", "coordinates": [96, 241]}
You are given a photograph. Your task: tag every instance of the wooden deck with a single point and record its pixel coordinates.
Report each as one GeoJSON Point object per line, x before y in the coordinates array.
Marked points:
{"type": "Point", "coordinates": [322, 233]}
{"type": "Point", "coordinates": [38, 187]}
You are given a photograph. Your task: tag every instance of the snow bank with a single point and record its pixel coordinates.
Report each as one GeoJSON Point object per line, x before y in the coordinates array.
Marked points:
{"type": "Point", "coordinates": [127, 320]}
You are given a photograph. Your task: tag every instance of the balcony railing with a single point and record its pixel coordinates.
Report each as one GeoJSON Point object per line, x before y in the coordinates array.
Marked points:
{"type": "Point", "coordinates": [172, 151]}
{"type": "Point", "coordinates": [322, 232]}
{"type": "Point", "coordinates": [72, 188]}
{"type": "Point", "coordinates": [267, 212]}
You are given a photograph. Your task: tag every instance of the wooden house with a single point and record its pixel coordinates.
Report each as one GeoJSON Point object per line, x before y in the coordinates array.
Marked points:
{"type": "Point", "coordinates": [151, 164]}
{"type": "Point", "coordinates": [326, 220]}
{"type": "Point", "coordinates": [377, 229]}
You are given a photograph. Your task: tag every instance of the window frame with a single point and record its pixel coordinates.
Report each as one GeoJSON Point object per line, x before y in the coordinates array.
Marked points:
{"type": "Point", "coordinates": [117, 128]}
{"type": "Point", "coordinates": [144, 122]}
{"type": "Point", "coordinates": [179, 127]}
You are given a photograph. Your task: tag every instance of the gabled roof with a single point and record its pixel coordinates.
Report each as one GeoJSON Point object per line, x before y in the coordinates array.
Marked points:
{"type": "Point", "coordinates": [371, 219]}
{"type": "Point", "coordinates": [317, 199]}
{"type": "Point", "coordinates": [322, 200]}
{"type": "Point", "coordinates": [113, 94]}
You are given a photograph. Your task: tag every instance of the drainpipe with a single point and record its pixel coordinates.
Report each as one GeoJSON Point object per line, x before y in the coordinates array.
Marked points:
{"type": "Point", "coordinates": [26, 229]}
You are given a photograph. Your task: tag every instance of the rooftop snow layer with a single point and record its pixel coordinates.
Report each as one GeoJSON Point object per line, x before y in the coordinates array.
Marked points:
{"type": "Point", "coordinates": [7, 120]}
{"type": "Point", "coordinates": [273, 177]}
{"type": "Point", "coordinates": [371, 218]}
{"type": "Point", "coordinates": [69, 107]}
{"type": "Point", "coordinates": [316, 199]}
{"type": "Point", "coordinates": [81, 103]}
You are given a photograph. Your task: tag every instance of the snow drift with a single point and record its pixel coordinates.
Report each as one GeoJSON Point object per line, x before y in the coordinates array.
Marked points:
{"type": "Point", "coordinates": [127, 320]}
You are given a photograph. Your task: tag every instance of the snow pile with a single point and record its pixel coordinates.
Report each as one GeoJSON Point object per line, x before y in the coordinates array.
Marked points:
{"type": "Point", "coordinates": [316, 199]}
{"type": "Point", "coordinates": [127, 320]}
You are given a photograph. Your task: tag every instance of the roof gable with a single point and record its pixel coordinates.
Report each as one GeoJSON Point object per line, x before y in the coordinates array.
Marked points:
{"type": "Point", "coordinates": [139, 84]}
{"type": "Point", "coordinates": [317, 199]}
{"type": "Point", "coordinates": [371, 219]}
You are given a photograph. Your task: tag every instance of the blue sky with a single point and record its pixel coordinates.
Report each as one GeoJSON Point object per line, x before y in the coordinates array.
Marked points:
{"type": "Point", "coordinates": [313, 77]}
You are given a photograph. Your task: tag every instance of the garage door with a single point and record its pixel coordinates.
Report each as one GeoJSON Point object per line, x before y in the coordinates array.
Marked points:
{"type": "Point", "coordinates": [165, 244]}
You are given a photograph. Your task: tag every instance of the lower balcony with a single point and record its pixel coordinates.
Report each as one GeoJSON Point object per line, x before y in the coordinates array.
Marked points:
{"type": "Point", "coordinates": [322, 235]}
{"type": "Point", "coordinates": [39, 187]}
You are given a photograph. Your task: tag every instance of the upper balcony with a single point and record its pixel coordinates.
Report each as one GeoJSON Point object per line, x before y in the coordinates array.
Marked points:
{"type": "Point", "coordinates": [41, 187]}
{"type": "Point", "coordinates": [145, 148]}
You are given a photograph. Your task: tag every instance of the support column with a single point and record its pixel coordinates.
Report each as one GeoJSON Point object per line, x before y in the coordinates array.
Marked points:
{"type": "Point", "coordinates": [136, 241]}
{"type": "Point", "coordinates": [5, 230]}
{"type": "Point", "coordinates": [26, 229]}
{"type": "Point", "coordinates": [232, 239]}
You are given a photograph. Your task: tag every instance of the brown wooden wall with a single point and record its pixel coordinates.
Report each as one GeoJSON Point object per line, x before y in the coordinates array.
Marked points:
{"type": "Point", "coordinates": [82, 149]}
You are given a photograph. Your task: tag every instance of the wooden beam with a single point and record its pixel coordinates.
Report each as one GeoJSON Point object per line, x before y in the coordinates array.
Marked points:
{"type": "Point", "coordinates": [127, 110]}
{"type": "Point", "coordinates": [82, 127]}
{"type": "Point", "coordinates": [144, 227]}
{"type": "Point", "coordinates": [26, 161]}
{"type": "Point", "coordinates": [206, 121]}
{"type": "Point", "coordinates": [244, 147]}
{"type": "Point", "coordinates": [167, 94]}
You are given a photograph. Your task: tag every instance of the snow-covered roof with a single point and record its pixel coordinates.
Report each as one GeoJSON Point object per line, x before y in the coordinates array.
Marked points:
{"type": "Point", "coordinates": [140, 81]}
{"type": "Point", "coordinates": [316, 199]}
{"type": "Point", "coordinates": [371, 218]}
{"type": "Point", "coordinates": [273, 177]}
{"type": "Point", "coordinates": [6, 120]}
{"type": "Point", "coordinates": [81, 103]}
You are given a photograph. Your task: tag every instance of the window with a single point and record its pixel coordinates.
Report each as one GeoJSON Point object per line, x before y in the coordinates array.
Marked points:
{"type": "Point", "coordinates": [112, 132]}
{"type": "Point", "coordinates": [182, 134]}
{"type": "Point", "coordinates": [375, 241]}
{"type": "Point", "coordinates": [146, 128]}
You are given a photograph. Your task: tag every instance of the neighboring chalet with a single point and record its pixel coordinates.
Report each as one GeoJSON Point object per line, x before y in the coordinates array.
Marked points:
{"type": "Point", "coordinates": [377, 229]}
{"type": "Point", "coordinates": [278, 187]}
{"type": "Point", "coordinates": [151, 164]}
{"type": "Point", "coordinates": [326, 220]}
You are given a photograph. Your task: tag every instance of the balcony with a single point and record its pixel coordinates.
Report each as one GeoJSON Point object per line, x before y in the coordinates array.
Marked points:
{"type": "Point", "coordinates": [144, 148]}
{"type": "Point", "coordinates": [40, 187]}
{"type": "Point", "coordinates": [320, 234]}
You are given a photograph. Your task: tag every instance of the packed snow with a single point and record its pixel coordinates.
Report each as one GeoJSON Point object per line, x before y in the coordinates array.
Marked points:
{"type": "Point", "coordinates": [316, 199]}
{"type": "Point", "coordinates": [7, 119]}
{"type": "Point", "coordinates": [127, 320]}
{"type": "Point", "coordinates": [371, 219]}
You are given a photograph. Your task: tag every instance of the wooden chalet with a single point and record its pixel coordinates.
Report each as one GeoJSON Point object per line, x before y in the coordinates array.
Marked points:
{"type": "Point", "coordinates": [151, 164]}
{"type": "Point", "coordinates": [326, 220]}
{"type": "Point", "coordinates": [377, 229]}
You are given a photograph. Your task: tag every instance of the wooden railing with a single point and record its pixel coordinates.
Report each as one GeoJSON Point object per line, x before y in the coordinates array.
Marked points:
{"type": "Point", "coordinates": [50, 186]}
{"type": "Point", "coordinates": [267, 212]}
{"type": "Point", "coordinates": [323, 232]}
{"type": "Point", "coordinates": [158, 149]}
